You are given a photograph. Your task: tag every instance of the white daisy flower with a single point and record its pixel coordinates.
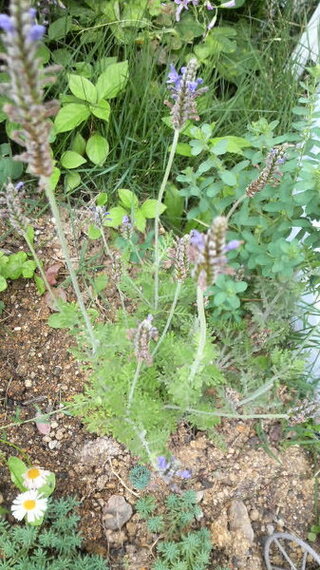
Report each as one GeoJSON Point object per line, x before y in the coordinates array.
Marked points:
{"type": "Point", "coordinates": [30, 503]}
{"type": "Point", "coordinates": [35, 477]}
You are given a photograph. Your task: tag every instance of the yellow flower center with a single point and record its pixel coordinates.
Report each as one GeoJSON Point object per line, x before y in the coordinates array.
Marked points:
{"type": "Point", "coordinates": [33, 473]}
{"type": "Point", "coordinates": [29, 504]}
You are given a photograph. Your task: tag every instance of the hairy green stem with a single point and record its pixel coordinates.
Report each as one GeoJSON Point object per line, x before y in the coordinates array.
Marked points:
{"type": "Point", "coordinates": [134, 383]}
{"type": "Point", "coordinates": [202, 338]}
{"type": "Point", "coordinates": [108, 252]}
{"type": "Point", "coordinates": [226, 414]}
{"type": "Point", "coordinates": [63, 242]}
{"type": "Point", "coordinates": [157, 216]}
{"type": "Point", "coordinates": [39, 266]}
{"type": "Point", "coordinates": [170, 316]}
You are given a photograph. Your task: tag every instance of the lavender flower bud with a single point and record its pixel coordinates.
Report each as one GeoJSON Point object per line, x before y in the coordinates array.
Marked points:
{"type": "Point", "coordinates": [126, 228]}
{"type": "Point", "coordinates": [99, 213]}
{"type": "Point", "coordinates": [181, 259]}
{"type": "Point", "coordinates": [116, 267]}
{"type": "Point", "coordinates": [12, 207]}
{"type": "Point", "coordinates": [141, 339]}
{"type": "Point", "coordinates": [270, 172]}
{"type": "Point", "coordinates": [306, 410]}
{"type": "Point", "coordinates": [25, 87]}
{"type": "Point", "coordinates": [184, 91]}
{"type": "Point", "coordinates": [208, 253]}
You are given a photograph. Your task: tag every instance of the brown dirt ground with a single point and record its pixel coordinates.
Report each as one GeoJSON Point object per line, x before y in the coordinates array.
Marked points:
{"type": "Point", "coordinates": [277, 488]}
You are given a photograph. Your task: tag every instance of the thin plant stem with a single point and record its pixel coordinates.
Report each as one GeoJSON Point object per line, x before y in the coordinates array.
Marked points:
{"type": "Point", "coordinates": [203, 333]}
{"type": "Point", "coordinates": [170, 316]}
{"type": "Point", "coordinates": [134, 383]}
{"type": "Point", "coordinates": [56, 214]}
{"type": "Point", "coordinates": [105, 243]}
{"type": "Point", "coordinates": [141, 436]}
{"type": "Point", "coordinates": [108, 252]}
{"type": "Point", "coordinates": [235, 206]}
{"type": "Point", "coordinates": [157, 216]}
{"type": "Point", "coordinates": [39, 266]}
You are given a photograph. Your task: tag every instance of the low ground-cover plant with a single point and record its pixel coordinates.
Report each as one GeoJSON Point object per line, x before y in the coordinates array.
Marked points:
{"type": "Point", "coordinates": [179, 547]}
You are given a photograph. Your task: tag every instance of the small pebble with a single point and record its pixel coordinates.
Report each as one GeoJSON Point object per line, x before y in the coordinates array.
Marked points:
{"type": "Point", "coordinates": [254, 515]}
{"type": "Point", "coordinates": [46, 438]}
{"type": "Point", "coordinates": [52, 444]}
{"type": "Point", "coordinates": [270, 529]}
{"type": "Point", "coordinates": [54, 424]}
{"type": "Point", "coordinates": [28, 383]}
{"type": "Point", "coordinates": [59, 434]}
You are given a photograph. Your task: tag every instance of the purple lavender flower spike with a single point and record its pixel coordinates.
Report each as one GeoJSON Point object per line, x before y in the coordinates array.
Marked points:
{"type": "Point", "coordinates": [19, 185]}
{"type": "Point", "coordinates": [6, 24]}
{"type": "Point", "coordinates": [173, 76]}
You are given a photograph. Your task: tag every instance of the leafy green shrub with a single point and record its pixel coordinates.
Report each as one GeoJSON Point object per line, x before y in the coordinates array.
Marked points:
{"type": "Point", "coordinates": [55, 545]}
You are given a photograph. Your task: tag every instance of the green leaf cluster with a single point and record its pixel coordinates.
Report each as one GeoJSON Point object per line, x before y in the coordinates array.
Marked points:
{"type": "Point", "coordinates": [56, 545]}
{"type": "Point", "coordinates": [14, 266]}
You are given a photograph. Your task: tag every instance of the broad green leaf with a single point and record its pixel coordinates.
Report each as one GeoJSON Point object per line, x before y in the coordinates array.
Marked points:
{"type": "Point", "coordinates": [40, 285]}
{"type": "Point", "coordinates": [183, 149]}
{"type": "Point", "coordinates": [30, 233]}
{"type": "Point", "coordinates": [78, 144]}
{"type": "Point", "coordinates": [128, 198]}
{"type": "Point", "coordinates": [94, 232]}
{"type": "Point", "coordinates": [3, 283]}
{"type": "Point", "coordinates": [112, 80]}
{"type": "Point", "coordinates": [149, 208]}
{"type": "Point", "coordinates": [101, 110]}
{"type": "Point", "coordinates": [139, 220]}
{"type": "Point", "coordinates": [59, 28]}
{"type": "Point", "coordinates": [102, 199]}
{"type": "Point", "coordinates": [17, 468]}
{"type": "Point", "coordinates": [83, 68]}
{"type": "Point", "coordinates": [228, 177]}
{"type": "Point", "coordinates": [72, 180]}
{"type": "Point", "coordinates": [234, 144]}
{"type": "Point", "coordinates": [47, 489]}
{"type": "Point", "coordinates": [54, 178]}
{"type": "Point", "coordinates": [97, 149]}
{"type": "Point", "coordinates": [70, 116]}
{"type": "Point", "coordinates": [82, 88]}
{"type": "Point", "coordinates": [28, 268]}
{"type": "Point", "coordinates": [116, 216]}
{"type": "Point", "coordinates": [71, 159]}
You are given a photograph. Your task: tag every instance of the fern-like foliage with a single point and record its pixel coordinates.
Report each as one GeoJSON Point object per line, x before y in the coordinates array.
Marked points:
{"type": "Point", "coordinates": [53, 546]}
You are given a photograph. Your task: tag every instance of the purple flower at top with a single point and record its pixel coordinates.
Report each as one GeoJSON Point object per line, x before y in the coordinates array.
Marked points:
{"type": "Point", "coordinates": [19, 185]}
{"type": "Point", "coordinates": [197, 239]}
{"type": "Point", "coordinates": [6, 24]}
{"type": "Point", "coordinates": [183, 4]}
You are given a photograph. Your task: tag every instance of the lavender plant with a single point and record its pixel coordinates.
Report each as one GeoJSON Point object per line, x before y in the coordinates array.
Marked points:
{"type": "Point", "coordinates": [27, 79]}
